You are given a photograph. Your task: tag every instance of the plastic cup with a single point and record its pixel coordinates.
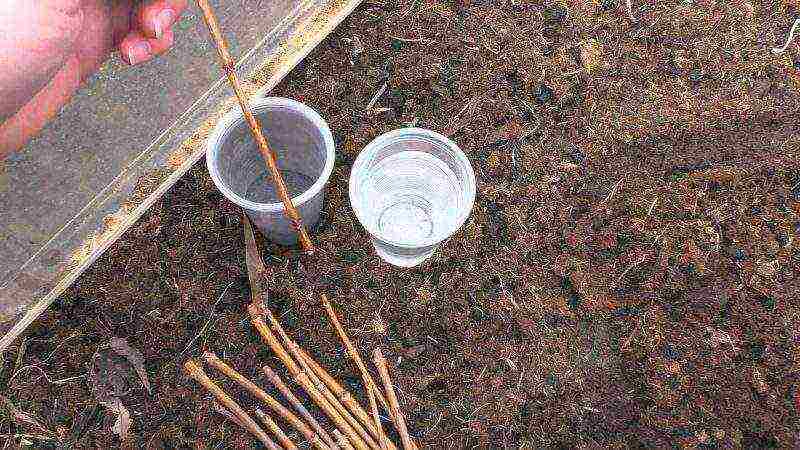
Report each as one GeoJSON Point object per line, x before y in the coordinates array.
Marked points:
{"type": "Point", "coordinates": [304, 151]}
{"type": "Point", "coordinates": [411, 189]}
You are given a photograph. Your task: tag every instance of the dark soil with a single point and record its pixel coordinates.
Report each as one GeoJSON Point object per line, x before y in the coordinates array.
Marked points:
{"type": "Point", "coordinates": [628, 277]}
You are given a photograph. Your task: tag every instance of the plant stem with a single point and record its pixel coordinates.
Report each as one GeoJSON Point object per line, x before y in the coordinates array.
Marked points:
{"type": "Point", "coordinates": [277, 381]}
{"type": "Point", "coordinates": [276, 430]}
{"type": "Point", "coordinates": [193, 369]}
{"type": "Point", "coordinates": [399, 421]}
{"type": "Point", "coordinates": [268, 400]}
{"type": "Point", "coordinates": [300, 376]}
{"type": "Point", "coordinates": [269, 156]}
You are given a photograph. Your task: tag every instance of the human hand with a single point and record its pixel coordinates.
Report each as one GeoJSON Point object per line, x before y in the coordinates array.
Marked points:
{"type": "Point", "coordinates": [49, 47]}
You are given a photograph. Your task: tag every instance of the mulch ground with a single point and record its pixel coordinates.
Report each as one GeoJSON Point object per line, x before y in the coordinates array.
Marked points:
{"type": "Point", "coordinates": [628, 277]}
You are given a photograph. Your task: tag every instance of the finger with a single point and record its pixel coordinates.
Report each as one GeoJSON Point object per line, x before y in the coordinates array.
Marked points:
{"type": "Point", "coordinates": [33, 116]}
{"type": "Point", "coordinates": [155, 17]}
{"type": "Point", "coordinates": [136, 48]}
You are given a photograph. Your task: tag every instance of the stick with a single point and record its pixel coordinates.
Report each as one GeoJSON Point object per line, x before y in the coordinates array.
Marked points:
{"type": "Point", "coordinates": [337, 402]}
{"type": "Point", "coordinates": [284, 390]}
{"type": "Point", "coordinates": [369, 383]}
{"type": "Point", "coordinates": [332, 399]}
{"type": "Point", "coordinates": [268, 400]}
{"type": "Point", "coordinates": [399, 421]}
{"type": "Point", "coordinates": [342, 441]}
{"type": "Point", "coordinates": [375, 417]}
{"type": "Point", "coordinates": [306, 368]}
{"type": "Point", "coordinates": [227, 414]}
{"type": "Point", "coordinates": [193, 369]}
{"type": "Point", "coordinates": [269, 156]}
{"type": "Point", "coordinates": [341, 392]}
{"type": "Point", "coordinates": [301, 377]}
{"type": "Point", "coordinates": [276, 430]}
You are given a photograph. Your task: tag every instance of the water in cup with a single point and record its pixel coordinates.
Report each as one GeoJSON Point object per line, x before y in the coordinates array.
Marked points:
{"type": "Point", "coordinates": [413, 195]}
{"type": "Point", "coordinates": [411, 189]}
{"type": "Point", "coordinates": [262, 189]}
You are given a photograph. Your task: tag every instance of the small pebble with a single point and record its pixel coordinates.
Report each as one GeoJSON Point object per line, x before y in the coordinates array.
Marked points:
{"type": "Point", "coordinates": [555, 14]}
{"type": "Point", "coordinates": [543, 94]}
{"type": "Point", "coordinates": [739, 255]}
{"type": "Point", "coordinates": [608, 4]}
{"type": "Point", "coordinates": [573, 301]}
{"type": "Point", "coordinates": [696, 76]}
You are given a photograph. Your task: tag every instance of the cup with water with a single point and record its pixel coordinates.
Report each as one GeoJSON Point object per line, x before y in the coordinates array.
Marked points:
{"type": "Point", "coordinates": [411, 189]}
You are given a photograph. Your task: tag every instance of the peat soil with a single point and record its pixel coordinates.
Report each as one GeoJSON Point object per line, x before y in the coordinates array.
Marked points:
{"type": "Point", "coordinates": [628, 277]}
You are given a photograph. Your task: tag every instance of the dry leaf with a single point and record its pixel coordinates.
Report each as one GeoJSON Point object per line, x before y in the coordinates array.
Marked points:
{"type": "Point", "coordinates": [112, 374]}
{"type": "Point", "coordinates": [114, 369]}
{"type": "Point", "coordinates": [134, 356]}
{"type": "Point", "coordinates": [123, 422]}
{"type": "Point", "coordinates": [24, 419]}
{"type": "Point", "coordinates": [591, 54]}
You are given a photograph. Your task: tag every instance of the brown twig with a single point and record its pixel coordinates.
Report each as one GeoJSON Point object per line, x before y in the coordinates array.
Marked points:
{"type": "Point", "coordinates": [369, 383]}
{"type": "Point", "coordinates": [276, 430]}
{"type": "Point", "coordinates": [337, 403]}
{"type": "Point", "coordinates": [376, 418]}
{"type": "Point", "coordinates": [343, 443]}
{"type": "Point", "coordinates": [193, 369]}
{"type": "Point", "coordinates": [277, 381]}
{"type": "Point", "coordinates": [227, 414]}
{"type": "Point", "coordinates": [399, 421]}
{"type": "Point", "coordinates": [267, 399]}
{"type": "Point", "coordinates": [308, 372]}
{"type": "Point", "coordinates": [269, 156]}
{"type": "Point", "coordinates": [301, 376]}
{"type": "Point", "coordinates": [341, 392]}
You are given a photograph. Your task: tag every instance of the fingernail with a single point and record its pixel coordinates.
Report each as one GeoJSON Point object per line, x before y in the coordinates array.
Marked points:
{"type": "Point", "coordinates": [138, 52]}
{"type": "Point", "coordinates": [163, 21]}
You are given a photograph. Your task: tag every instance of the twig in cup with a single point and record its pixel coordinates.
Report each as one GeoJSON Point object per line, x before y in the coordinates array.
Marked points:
{"type": "Point", "coordinates": [193, 369]}
{"type": "Point", "coordinates": [399, 421]}
{"type": "Point", "coordinates": [276, 430]}
{"type": "Point", "coordinates": [265, 398]}
{"type": "Point", "coordinates": [269, 156]}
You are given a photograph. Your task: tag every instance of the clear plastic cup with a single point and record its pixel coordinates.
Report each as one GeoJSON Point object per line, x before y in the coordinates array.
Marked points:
{"type": "Point", "coordinates": [304, 151]}
{"type": "Point", "coordinates": [411, 189]}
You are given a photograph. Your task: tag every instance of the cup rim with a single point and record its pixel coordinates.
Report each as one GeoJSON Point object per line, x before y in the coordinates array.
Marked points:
{"type": "Point", "coordinates": [234, 118]}
{"type": "Point", "coordinates": [412, 132]}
